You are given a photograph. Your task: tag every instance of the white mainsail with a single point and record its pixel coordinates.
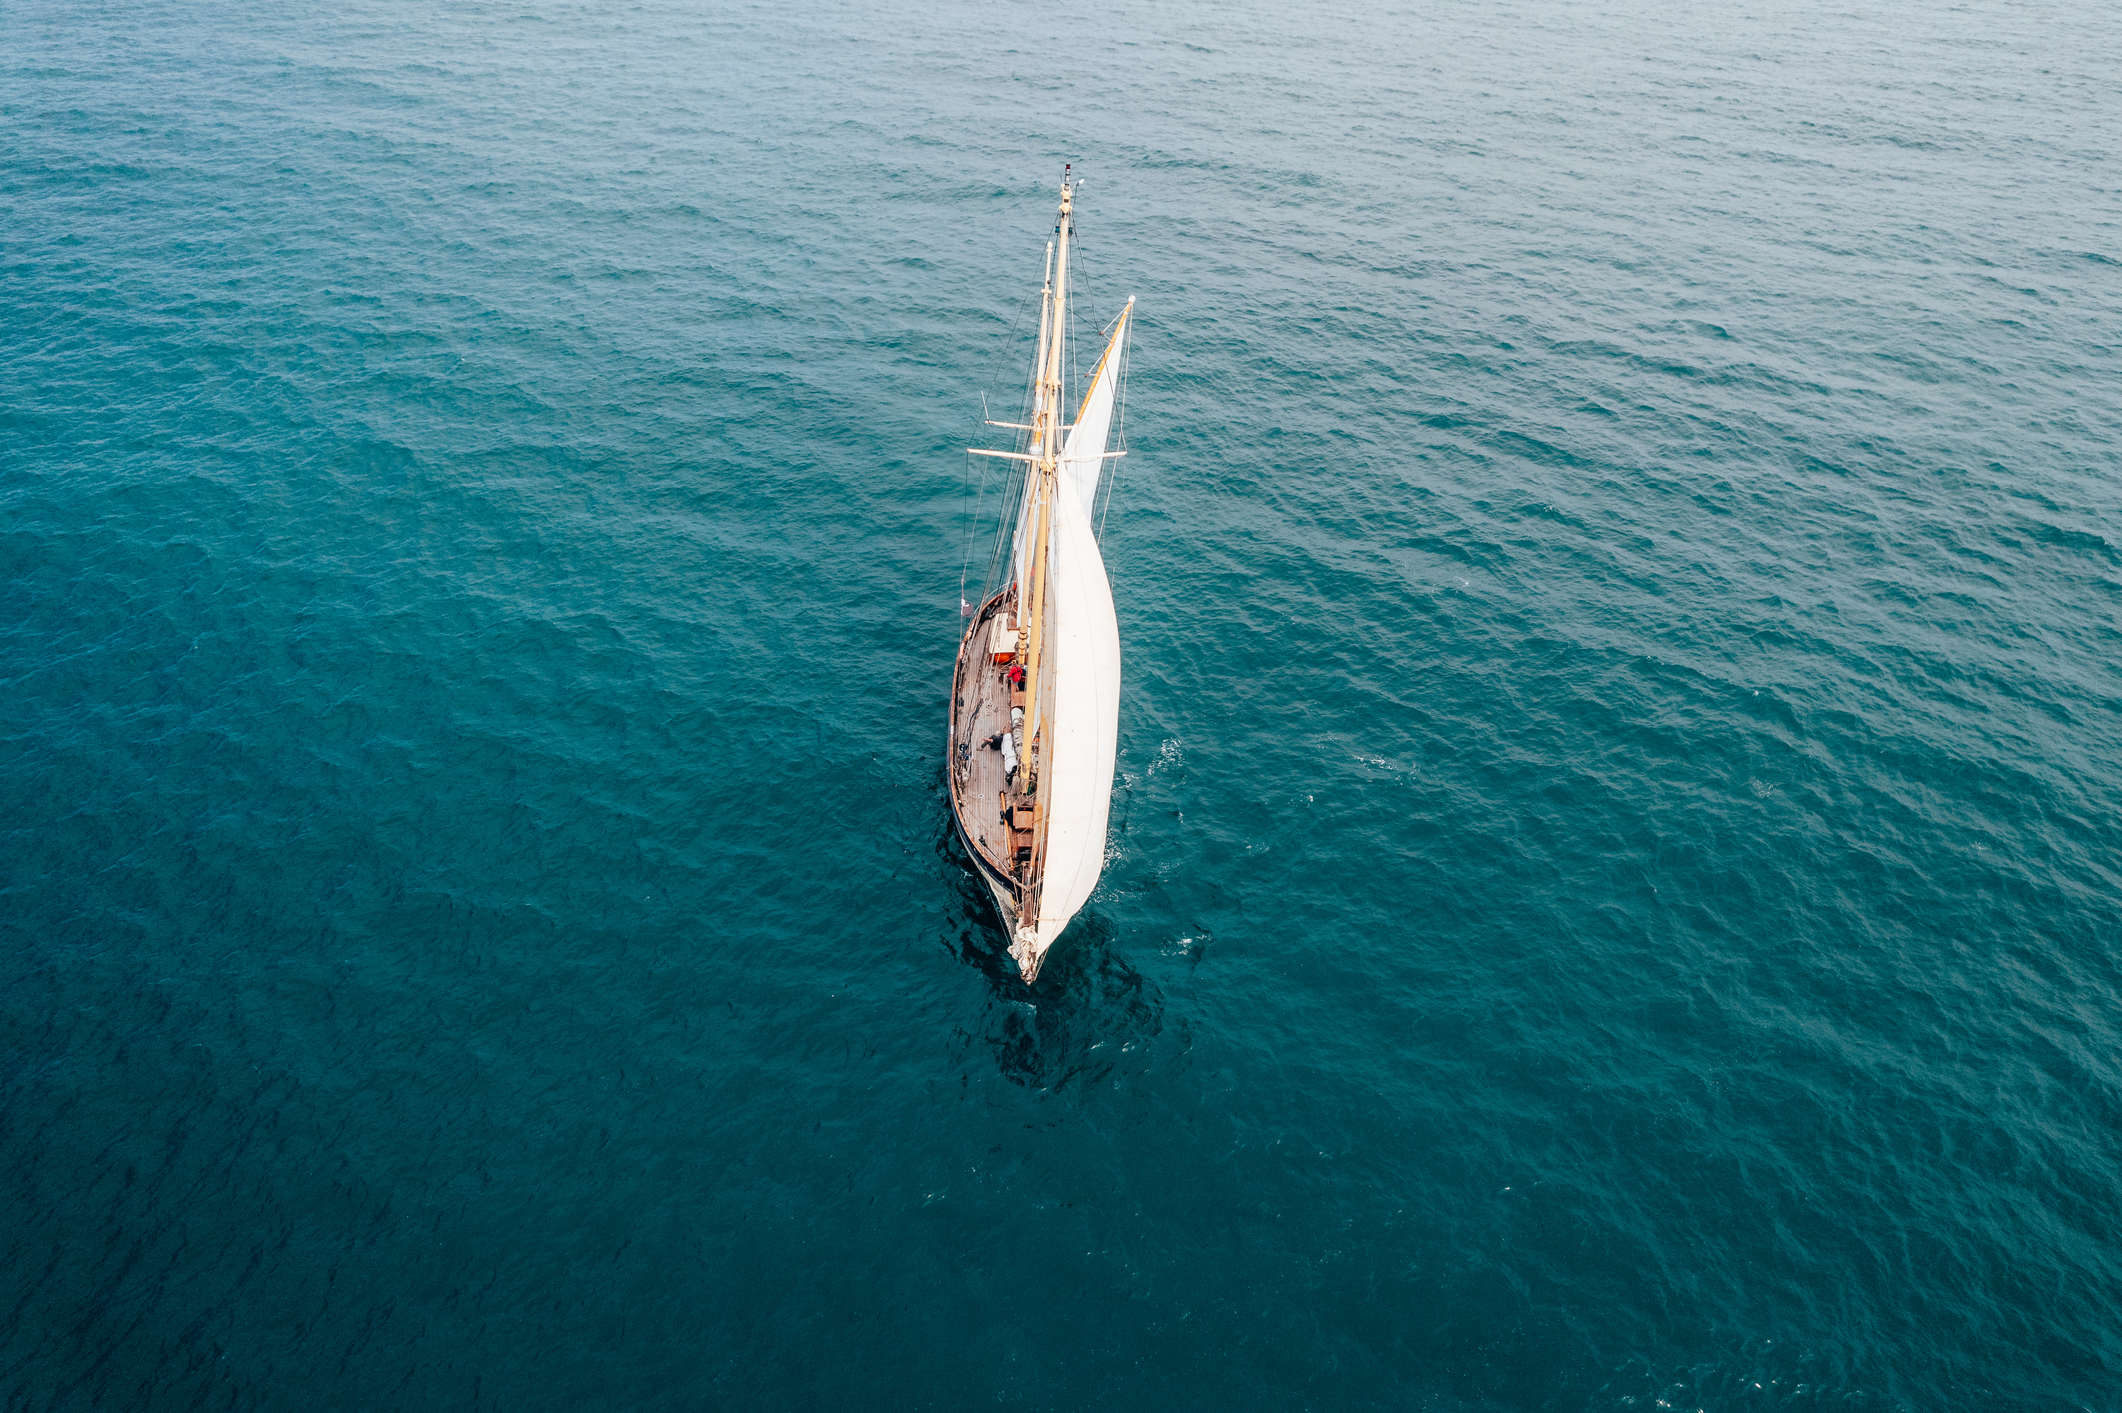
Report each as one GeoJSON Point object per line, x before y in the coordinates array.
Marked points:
{"type": "Point", "coordinates": [1083, 726]}
{"type": "Point", "coordinates": [1083, 456]}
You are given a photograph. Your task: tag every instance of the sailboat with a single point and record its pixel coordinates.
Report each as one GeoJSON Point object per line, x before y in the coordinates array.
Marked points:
{"type": "Point", "coordinates": [1035, 700]}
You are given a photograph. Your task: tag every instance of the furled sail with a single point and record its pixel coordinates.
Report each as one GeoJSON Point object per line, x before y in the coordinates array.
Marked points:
{"type": "Point", "coordinates": [1083, 456]}
{"type": "Point", "coordinates": [1082, 729]}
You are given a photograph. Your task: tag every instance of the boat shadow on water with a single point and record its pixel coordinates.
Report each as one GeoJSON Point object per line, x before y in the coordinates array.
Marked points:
{"type": "Point", "coordinates": [1090, 1016]}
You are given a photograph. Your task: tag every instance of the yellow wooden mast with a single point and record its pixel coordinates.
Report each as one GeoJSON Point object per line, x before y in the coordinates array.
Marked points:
{"type": "Point", "coordinates": [1042, 485]}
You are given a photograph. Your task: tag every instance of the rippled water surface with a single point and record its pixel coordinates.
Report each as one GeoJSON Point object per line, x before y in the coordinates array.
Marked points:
{"type": "Point", "coordinates": [1615, 898]}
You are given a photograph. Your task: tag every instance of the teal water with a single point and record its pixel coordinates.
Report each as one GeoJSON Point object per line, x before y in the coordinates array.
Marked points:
{"type": "Point", "coordinates": [1614, 898]}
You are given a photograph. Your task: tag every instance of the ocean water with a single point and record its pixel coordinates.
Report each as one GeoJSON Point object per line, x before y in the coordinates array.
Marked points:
{"type": "Point", "coordinates": [1615, 895]}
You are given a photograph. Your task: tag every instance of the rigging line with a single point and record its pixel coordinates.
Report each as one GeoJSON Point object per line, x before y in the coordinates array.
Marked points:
{"type": "Point", "coordinates": [1009, 503]}
{"type": "Point", "coordinates": [972, 515]}
{"type": "Point", "coordinates": [1082, 295]}
{"type": "Point", "coordinates": [1120, 430]}
{"type": "Point", "coordinates": [965, 569]}
{"type": "Point", "coordinates": [1127, 358]}
{"type": "Point", "coordinates": [1011, 498]}
{"type": "Point", "coordinates": [973, 522]}
{"type": "Point", "coordinates": [1064, 409]}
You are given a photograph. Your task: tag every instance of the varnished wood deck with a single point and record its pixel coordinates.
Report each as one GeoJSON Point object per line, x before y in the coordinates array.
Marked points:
{"type": "Point", "coordinates": [980, 709]}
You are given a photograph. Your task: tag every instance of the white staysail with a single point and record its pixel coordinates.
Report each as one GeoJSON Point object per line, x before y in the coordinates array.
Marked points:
{"type": "Point", "coordinates": [1083, 456]}
{"type": "Point", "coordinates": [1082, 730]}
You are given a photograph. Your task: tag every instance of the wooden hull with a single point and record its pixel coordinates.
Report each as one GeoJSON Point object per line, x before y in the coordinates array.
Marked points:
{"type": "Point", "coordinates": [979, 788]}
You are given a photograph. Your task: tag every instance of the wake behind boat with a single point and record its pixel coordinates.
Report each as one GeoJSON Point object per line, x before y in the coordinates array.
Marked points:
{"type": "Point", "coordinates": [1035, 701]}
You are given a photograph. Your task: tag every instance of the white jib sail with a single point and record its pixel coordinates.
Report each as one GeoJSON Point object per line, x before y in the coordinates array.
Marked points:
{"type": "Point", "coordinates": [1082, 729]}
{"type": "Point", "coordinates": [1083, 455]}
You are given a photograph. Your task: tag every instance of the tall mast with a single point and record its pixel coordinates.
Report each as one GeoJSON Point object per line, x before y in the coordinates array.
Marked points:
{"type": "Point", "coordinates": [1046, 316]}
{"type": "Point", "coordinates": [1046, 445]}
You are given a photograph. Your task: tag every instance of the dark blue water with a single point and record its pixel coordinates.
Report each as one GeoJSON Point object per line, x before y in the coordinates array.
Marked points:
{"type": "Point", "coordinates": [1616, 887]}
